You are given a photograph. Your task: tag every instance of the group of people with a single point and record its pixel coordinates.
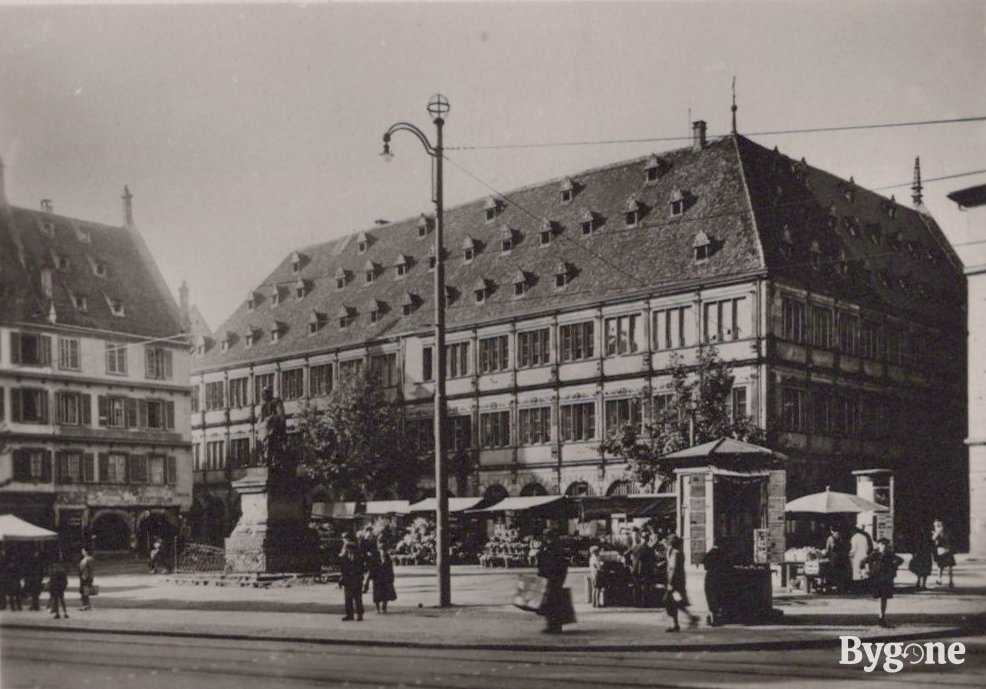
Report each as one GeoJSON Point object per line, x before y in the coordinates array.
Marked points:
{"type": "Point", "coordinates": [24, 577]}
{"type": "Point", "coordinates": [361, 564]}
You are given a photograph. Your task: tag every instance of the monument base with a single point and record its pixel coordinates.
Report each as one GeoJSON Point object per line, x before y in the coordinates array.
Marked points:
{"type": "Point", "coordinates": [272, 534]}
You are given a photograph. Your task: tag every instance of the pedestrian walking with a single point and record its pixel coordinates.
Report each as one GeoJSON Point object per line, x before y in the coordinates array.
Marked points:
{"type": "Point", "coordinates": [595, 566]}
{"type": "Point", "coordinates": [34, 576]}
{"type": "Point", "coordinates": [922, 561]}
{"type": "Point", "coordinates": [717, 566]}
{"type": "Point", "coordinates": [154, 560]}
{"type": "Point", "coordinates": [882, 565]}
{"type": "Point", "coordinates": [553, 567]}
{"type": "Point", "coordinates": [381, 574]}
{"type": "Point", "coordinates": [860, 546]}
{"type": "Point", "coordinates": [86, 578]}
{"type": "Point", "coordinates": [57, 585]}
{"type": "Point", "coordinates": [352, 570]}
{"type": "Point", "coordinates": [11, 577]}
{"type": "Point", "coordinates": [675, 597]}
{"type": "Point", "coordinates": [943, 551]}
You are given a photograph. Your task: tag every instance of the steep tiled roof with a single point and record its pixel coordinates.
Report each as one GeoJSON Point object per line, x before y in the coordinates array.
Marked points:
{"type": "Point", "coordinates": [715, 188]}
{"type": "Point", "coordinates": [99, 262]}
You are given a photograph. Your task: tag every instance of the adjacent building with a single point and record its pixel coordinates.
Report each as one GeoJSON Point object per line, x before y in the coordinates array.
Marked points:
{"type": "Point", "coordinates": [94, 381]}
{"type": "Point", "coordinates": [840, 310]}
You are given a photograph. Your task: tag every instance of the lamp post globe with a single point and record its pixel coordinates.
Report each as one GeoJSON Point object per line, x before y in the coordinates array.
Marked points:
{"type": "Point", "coordinates": [438, 106]}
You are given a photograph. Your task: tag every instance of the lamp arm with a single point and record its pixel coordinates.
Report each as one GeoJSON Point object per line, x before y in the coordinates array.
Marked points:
{"type": "Point", "coordinates": [407, 127]}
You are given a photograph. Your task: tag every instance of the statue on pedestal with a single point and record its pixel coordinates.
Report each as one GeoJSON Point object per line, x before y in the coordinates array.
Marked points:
{"type": "Point", "coordinates": [272, 435]}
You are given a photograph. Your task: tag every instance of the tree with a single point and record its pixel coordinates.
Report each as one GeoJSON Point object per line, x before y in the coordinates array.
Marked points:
{"type": "Point", "coordinates": [356, 444]}
{"type": "Point", "coordinates": [698, 404]}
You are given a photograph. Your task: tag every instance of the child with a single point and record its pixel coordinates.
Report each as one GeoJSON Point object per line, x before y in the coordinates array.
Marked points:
{"type": "Point", "coordinates": [595, 564]}
{"type": "Point", "coordinates": [882, 564]}
{"type": "Point", "coordinates": [57, 584]}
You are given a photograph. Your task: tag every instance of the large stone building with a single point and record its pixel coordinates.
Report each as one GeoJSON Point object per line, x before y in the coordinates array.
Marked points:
{"type": "Point", "coordinates": [94, 392]}
{"type": "Point", "coordinates": [840, 310]}
{"type": "Point", "coordinates": [971, 247]}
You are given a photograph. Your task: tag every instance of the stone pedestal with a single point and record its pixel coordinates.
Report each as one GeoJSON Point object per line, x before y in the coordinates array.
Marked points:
{"type": "Point", "coordinates": [272, 534]}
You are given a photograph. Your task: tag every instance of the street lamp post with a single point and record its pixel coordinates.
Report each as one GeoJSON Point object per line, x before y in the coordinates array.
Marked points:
{"type": "Point", "coordinates": [438, 107]}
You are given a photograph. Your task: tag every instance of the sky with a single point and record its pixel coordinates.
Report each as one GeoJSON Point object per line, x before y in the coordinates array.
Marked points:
{"type": "Point", "coordinates": [247, 131]}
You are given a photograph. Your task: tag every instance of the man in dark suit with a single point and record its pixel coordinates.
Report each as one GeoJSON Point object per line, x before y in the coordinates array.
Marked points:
{"type": "Point", "coordinates": [642, 563]}
{"type": "Point", "coordinates": [553, 566]}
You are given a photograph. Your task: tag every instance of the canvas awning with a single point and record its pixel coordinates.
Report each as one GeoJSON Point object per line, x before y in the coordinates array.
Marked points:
{"type": "Point", "coordinates": [349, 510]}
{"type": "Point", "coordinates": [656, 505]}
{"type": "Point", "coordinates": [16, 529]}
{"type": "Point", "coordinates": [521, 504]}
{"type": "Point", "coordinates": [454, 505]}
{"type": "Point", "coordinates": [832, 502]}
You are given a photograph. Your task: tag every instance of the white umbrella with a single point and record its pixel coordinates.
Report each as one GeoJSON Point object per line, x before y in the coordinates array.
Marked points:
{"type": "Point", "coordinates": [16, 529]}
{"type": "Point", "coordinates": [832, 502]}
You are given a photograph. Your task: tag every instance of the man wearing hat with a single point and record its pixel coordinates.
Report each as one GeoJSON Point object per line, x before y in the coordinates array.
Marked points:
{"type": "Point", "coordinates": [553, 566]}
{"type": "Point", "coordinates": [352, 570]}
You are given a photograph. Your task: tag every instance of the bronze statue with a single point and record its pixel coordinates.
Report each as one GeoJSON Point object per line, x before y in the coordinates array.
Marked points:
{"type": "Point", "coordinates": [273, 439]}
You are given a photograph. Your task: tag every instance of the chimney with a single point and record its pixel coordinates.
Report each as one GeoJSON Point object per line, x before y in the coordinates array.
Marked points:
{"type": "Point", "coordinates": [916, 196]}
{"type": "Point", "coordinates": [183, 305]}
{"type": "Point", "coordinates": [128, 207]}
{"type": "Point", "coordinates": [698, 135]}
{"type": "Point", "coordinates": [47, 206]}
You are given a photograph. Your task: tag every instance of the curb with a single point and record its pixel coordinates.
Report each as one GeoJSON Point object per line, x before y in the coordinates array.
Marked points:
{"type": "Point", "coordinates": [782, 645]}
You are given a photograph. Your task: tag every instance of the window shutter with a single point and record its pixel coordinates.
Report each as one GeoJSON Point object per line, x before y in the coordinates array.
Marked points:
{"type": "Point", "coordinates": [61, 467]}
{"type": "Point", "coordinates": [126, 468]}
{"type": "Point", "coordinates": [85, 409]}
{"type": "Point", "coordinates": [149, 371]}
{"type": "Point", "coordinates": [167, 364]}
{"type": "Point", "coordinates": [142, 413]}
{"type": "Point", "coordinates": [46, 467]}
{"type": "Point", "coordinates": [130, 406]}
{"type": "Point", "coordinates": [45, 347]}
{"type": "Point", "coordinates": [16, 413]}
{"type": "Point", "coordinates": [15, 348]}
{"type": "Point", "coordinates": [58, 406]}
{"type": "Point", "coordinates": [104, 466]}
{"type": "Point", "coordinates": [2, 410]}
{"type": "Point", "coordinates": [172, 476]}
{"type": "Point", "coordinates": [169, 415]}
{"type": "Point", "coordinates": [104, 409]}
{"type": "Point", "coordinates": [44, 406]}
{"type": "Point", "coordinates": [88, 468]}
{"type": "Point", "coordinates": [22, 464]}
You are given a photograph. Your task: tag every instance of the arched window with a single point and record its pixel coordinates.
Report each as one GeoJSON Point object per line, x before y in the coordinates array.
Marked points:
{"type": "Point", "coordinates": [533, 489]}
{"type": "Point", "coordinates": [495, 494]}
{"type": "Point", "coordinates": [623, 487]}
{"type": "Point", "coordinates": [579, 489]}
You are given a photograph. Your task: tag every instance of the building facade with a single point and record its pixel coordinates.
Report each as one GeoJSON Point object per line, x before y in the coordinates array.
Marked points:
{"type": "Point", "coordinates": [839, 310]}
{"type": "Point", "coordinates": [94, 382]}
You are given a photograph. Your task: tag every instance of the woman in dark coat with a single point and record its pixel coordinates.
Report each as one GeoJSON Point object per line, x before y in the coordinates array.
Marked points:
{"type": "Point", "coordinates": [381, 573]}
{"type": "Point", "coordinates": [675, 597]}
{"type": "Point", "coordinates": [943, 552]}
{"type": "Point", "coordinates": [553, 566]}
{"type": "Point", "coordinates": [882, 564]}
{"type": "Point", "coordinates": [921, 562]}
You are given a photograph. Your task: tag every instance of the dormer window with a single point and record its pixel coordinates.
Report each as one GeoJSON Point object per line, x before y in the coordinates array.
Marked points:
{"type": "Point", "coordinates": [369, 272]}
{"type": "Point", "coordinates": [506, 239]}
{"type": "Point", "coordinates": [80, 302]}
{"type": "Point", "coordinates": [116, 306]}
{"type": "Point", "coordinates": [787, 241]}
{"type": "Point", "coordinates": [83, 235]}
{"type": "Point", "coordinates": [61, 261]}
{"type": "Point", "coordinates": [479, 290]}
{"type": "Point", "coordinates": [202, 344]}
{"type": "Point", "coordinates": [342, 277]}
{"type": "Point", "coordinates": [547, 232]}
{"type": "Point", "coordinates": [851, 225]}
{"type": "Point", "coordinates": [362, 242]}
{"type": "Point", "coordinates": [451, 294]}
{"type": "Point", "coordinates": [408, 302]}
{"type": "Point", "coordinates": [424, 226]}
{"type": "Point", "coordinates": [588, 223]}
{"type": "Point", "coordinates": [297, 261]}
{"type": "Point", "coordinates": [631, 212]}
{"type": "Point", "coordinates": [567, 190]}
{"type": "Point", "coordinates": [276, 330]}
{"type": "Point", "coordinates": [275, 296]}
{"type": "Point", "coordinates": [890, 207]}
{"type": "Point", "coordinates": [520, 283]}
{"type": "Point", "coordinates": [816, 255]}
{"type": "Point", "coordinates": [402, 265]}
{"type": "Point", "coordinates": [98, 267]}
{"type": "Point", "coordinates": [46, 283]}
{"type": "Point", "coordinates": [677, 202]}
{"type": "Point", "coordinates": [377, 310]}
{"type": "Point", "coordinates": [251, 337]}
{"type": "Point", "coordinates": [469, 249]}
{"type": "Point", "coordinates": [491, 209]}
{"type": "Point", "coordinates": [702, 246]}
{"type": "Point", "coordinates": [48, 228]}
{"type": "Point", "coordinates": [252, 301]}
{"type": "Point", "coordinates": [346, 315]}
{"type": "Point", "coordinates": [652, 169]}
{"type": "Point", "coordinates": [300, 289]}
{"type": "Point", "coordinates": [842, 264]}
{"type": "Point", "coordinates": [849, 190]}
{"type": "Point", "coordinates": [315, 322]}
{"type": "Point", "coordinates": [562, 273]}
{"type": "Point", "coordinates": [224, 344]}
{"type": "Point", "coordinates": [903, 283]}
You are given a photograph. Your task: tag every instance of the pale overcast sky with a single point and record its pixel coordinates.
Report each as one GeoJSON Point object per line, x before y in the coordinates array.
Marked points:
{"type": "Point", "coordinates": [245, 131]}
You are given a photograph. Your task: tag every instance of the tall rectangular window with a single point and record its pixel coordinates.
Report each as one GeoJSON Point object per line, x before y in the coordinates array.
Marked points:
{"type": "Point", "coordinates": [427, 364]}
{"type": "Point", "coordinates": [871, 339]}
{"type": "Point", "coordinates": [621, 334]}
{"type": "Point", "coordinates": [239, 392]}
{"type": "Point", "coordinates": [32, 465]}
{"type": "Point", "coordinates": [461, 432]}
{"type": "Point", "coordinates": [535, 425]}
{"type": "Point", "coordinates": [457, 359]}
{"type": "Point", "coordinates": [726, 319]}
{"type": "Point", "coordinates": [821, 410]}
{"type": "Point", "coordinates": [157, 414]}
{"type": "Point", "coordinates": [261, 382]}
{"type": "Point", "coordinates": [68, 354]}
{"type": "Point", "coordinates": [737, 407]}
{"type": "Point", "coordinates": [29, 405]}
{"type": "Point", "coordinates": [239, 452]}
{"type": "Point", "coordinates": [113, 468]}
{"type": "Point", "coordinates": [113, 412]}
{"type": "Point", "coordinates": [195, 402]}
{"type": "Point", "coordinates": [215, 458]}
{"type": "Point", "coordinates": [320, 380]}
{"type": "Point", "coordinates": [494, 354]}
{"type": "Point", "coordinates": [29, 349]}
{"type": "Point", "coordinates": [383, 367]}
{"type": "Point", "coordinates": [68, 467]}
{"type": "Point", "coordinates": [793, 324]}
{"type": "Point", "coordinates": [156, 470]}
{"type": "Point", "coordinates": [793, 409]}
{"type": "Point", "coordinates": [293, 384]}
{"type": "Point", "coordinates": [622, 411]}
{"type": "Point", "coordinates": [578, 422]}
{"type": "Point", "coordinates": [673, 328]}
{"type": "Point", "coordinates": [214, 396]}
{"type": "Point", "coordinates": [137, 469]}
{"type": "Point", "coordinates": [157, 363]}
{"type": "Point", "coordinates": [73, 408]}
{"type": "Point", "coordinates": [821, 327]}
{"type": "Point", "coordinates": [116, 358]}
{"type": "Point", "coordinates": [350, 368]}
{"type": "Point", "coordinates": [576, 341]}
{"type": "Point", "coordinates": [849, 333]}
{"type": "Point", "coordinates": [534, 348]}
{"type": "Point", "coordinates": [494, 429]}
{"type": "Point", "coordinates": [422, 434]}
{"type": "Point", "coordinates": [896, 344]}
